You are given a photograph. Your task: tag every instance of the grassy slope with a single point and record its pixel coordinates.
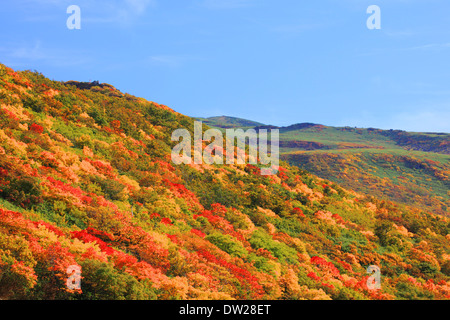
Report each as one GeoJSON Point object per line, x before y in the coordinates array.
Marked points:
{"type": "Point", "coordinates": [225, 122]}
{"type": "Point", "coordinates": [372, 162]}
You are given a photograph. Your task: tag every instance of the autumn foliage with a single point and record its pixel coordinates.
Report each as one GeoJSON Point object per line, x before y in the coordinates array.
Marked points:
{"type": "Point", "coordinates": [86, 180]}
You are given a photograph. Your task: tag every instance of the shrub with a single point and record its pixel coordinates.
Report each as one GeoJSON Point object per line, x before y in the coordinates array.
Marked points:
{"type": "Point", "coordinates": [102, 282]}
{"type": "Point", "coordinates": [34, 103]}
{"type": "Point", "coordinates": [282, 251]}
{"type": "Point", "coordinates": [227, 243]}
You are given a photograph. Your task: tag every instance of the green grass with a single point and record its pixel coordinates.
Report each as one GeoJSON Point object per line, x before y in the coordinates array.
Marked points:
{"type": "Point", "coordinates": [229, 122]}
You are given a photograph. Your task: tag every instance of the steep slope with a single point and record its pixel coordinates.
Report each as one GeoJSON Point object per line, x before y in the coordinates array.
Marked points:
{"type": "Point", "coordinates": [86, 180]}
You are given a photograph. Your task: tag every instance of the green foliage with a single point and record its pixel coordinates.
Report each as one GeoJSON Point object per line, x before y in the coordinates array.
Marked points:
{"type": "Point", "coordinates": [382, 231]}
{"type": "Point", "coordinates": [102, 282]}
{"type": "Point", "coordinates": [262, 264]}
{"type": "Point", "coordinates": [23, 191]}
{"type": "Point", "coordinates": [283, 252]}
{"type": "Point", "coordinates": [99, 117]}
{"type": "Point", "coordinates": [111, 188]}
{"type": "Point", "coordinates": [227, 243]}
{"type": "Point", "coordinates": [407, 291]}
{"type": "Point", "coordinates": [34, 103]}
{"type": "Point", "coordinates": [349, 239]}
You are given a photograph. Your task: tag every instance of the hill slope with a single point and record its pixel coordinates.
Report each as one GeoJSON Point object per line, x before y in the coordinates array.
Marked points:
{"type": "Point", "coordinates": [225, 122]}
{"type": "Point", "coordinates": [86, 180]}
{"type": "Point", "coordinates": [411, 168]}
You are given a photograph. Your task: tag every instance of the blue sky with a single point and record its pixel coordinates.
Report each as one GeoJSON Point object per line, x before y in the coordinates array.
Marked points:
{"type": "Point", "coordinates": [277, 62]}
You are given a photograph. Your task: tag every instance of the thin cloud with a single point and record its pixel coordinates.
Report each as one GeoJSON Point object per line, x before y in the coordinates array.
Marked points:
{"type": "Point", "coordinates": [140, 6]}
{"type": "Point", "coordinates": [227, 4]}
{"type": "Point", "coordinates": [20, 54]}
{"type": "Point", "coordinates": [119, 12]}
{"type": "Point", "coordinates": [424, 47]}
{"type": "Point", "coordinates": [430, 46]}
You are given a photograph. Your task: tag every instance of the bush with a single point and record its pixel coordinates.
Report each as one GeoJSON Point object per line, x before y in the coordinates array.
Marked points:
{"type": "Point", "coordinates": [34, 103]}
{"type": "Point", "coordinates": [227, 243]}
{"type": "Point", "coordinates": [111, 188]}
{"type": "Point", "coordinates": [102, 282]}
{"type": "Point", "coordinates": [23, 191]}
{"type": "Point", "coordinates": [100, 118]}
{"type": "Point", "coordinates": [282, 251]}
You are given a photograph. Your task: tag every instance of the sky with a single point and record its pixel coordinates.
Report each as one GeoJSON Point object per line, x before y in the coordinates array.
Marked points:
{"type": "Point", "coordinates": [276, 62]}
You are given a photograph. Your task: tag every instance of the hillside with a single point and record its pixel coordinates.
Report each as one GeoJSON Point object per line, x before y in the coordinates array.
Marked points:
{"type": "Point", "coordinates": [86, 180]}
{"type": "Point", "coordinates": [225, 122]}
{"type": "Point", "coordinates": [410, 168]}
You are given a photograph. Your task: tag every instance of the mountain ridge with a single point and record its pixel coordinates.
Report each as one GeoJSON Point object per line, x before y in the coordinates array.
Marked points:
{"type": "Point", "coordinates": [217, 121]}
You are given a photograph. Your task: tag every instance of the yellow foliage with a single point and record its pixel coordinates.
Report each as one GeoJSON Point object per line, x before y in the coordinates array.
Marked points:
{"type": "Point", "coordinates": [15, 147]}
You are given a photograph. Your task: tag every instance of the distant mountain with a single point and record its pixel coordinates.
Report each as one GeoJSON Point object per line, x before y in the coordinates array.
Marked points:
{"type": "Point", "coordinates": [407, 167]}
{"type": "Point", "coordinates": [225, 122]}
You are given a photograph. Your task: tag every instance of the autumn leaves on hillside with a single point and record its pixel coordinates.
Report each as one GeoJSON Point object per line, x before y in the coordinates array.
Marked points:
{"type": "Point", "coordinates": [86, 180]}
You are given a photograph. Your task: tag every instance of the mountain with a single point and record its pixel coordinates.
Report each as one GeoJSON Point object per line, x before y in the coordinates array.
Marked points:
{"type": "Point", "coordinates": [88, 192]}
{"type": "Point", "coordinates": [406, 167]}
{"type": "Point", "coordinates": [225, 122]}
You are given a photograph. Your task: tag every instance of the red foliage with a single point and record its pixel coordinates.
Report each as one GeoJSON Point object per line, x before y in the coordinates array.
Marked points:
{"type": "Point", "coordinates": [100, 234]}
{"type": "Point", "coordinates": [36, 128]}
{"type": "Point", "coordinates": [198, 233]}
{"type": "Point", "coordinates": [3, 172]}
{"type": "Point", "coordinates": [108, 129]}
{"type": "Point", "coordinates": [101, 201]}
{"type": "Point", "coordinates": [86, 199]}
{"type": "Point", "coordinates": [173, 238]}
{"type": "Point", "coordinates": [11, 215]}
{"type": "Point", "coordinates": [325, 266]}
{"type": "Point", "coordinates": [362, 284]}
{"type": "Point", "coordinates": [338, 218]}
{"type": "Point", "coordinates": [299, 212]}
{"type": "Point", "coordinates": [84, 236]}
{"type": "Point", "coordinates": [253, 169]}
{"type": "Point", "coordinates": [282, 173]}
{"type": "Point", "coordinates": [3, 175]}
{"type": "Point", "coordinates": [218, 209]}
{"type": "Point", "coordinates": [329, 286]}
{"type": "Point", "coordinates": [102, 167]}
{"type": "Point", "coordinates": [265, 253]}
{"type": "Point", "coordinates": [18, 79]}
{"type": "Point", "coordinates": [345, 265]}
{"type": "Point", "coordinates": [115, 125]}
{"type": "Point", "coordinates": [49, 227]}
{"type": "Point", "coordinates": [166, 221]}
{"type": "Point", "coordinates": [243, 275]}
{"type": "Point", "coordinates": [220, 223]}
{"type": "Point", "coordinates": [9, 114]}
{"type": "Point", "coordinates": [313, 276]}
{"type": "Point", "coordinates": [123, 259]}
{"type": "Point", "coordinates": [180, 191]}
{"type": "Point", "coordinates": [65, 187]}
